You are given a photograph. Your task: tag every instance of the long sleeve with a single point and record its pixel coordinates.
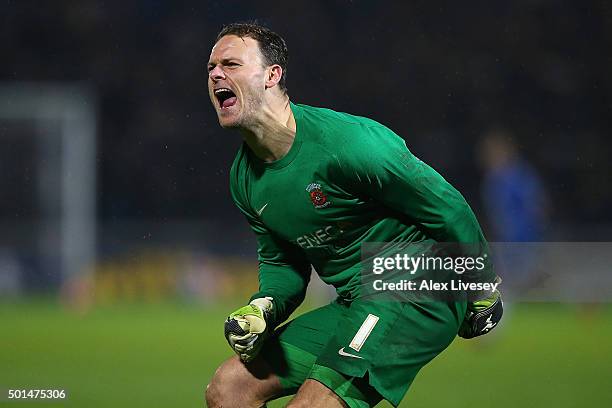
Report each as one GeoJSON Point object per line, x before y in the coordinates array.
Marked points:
{"type": "Point", "coordinates": [380, 166]}
{"type": "Point", "coordinates": [284, 273]}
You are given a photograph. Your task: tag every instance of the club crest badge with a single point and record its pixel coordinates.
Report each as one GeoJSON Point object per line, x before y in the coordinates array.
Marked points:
{"type": "Point", "coordinates": [317, 196]}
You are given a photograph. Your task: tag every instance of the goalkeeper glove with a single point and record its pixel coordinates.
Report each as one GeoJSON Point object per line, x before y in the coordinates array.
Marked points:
{"type": "Point", "coordinates": [482, 316]}
{"type": "Point", "coordinates": [246, 328]}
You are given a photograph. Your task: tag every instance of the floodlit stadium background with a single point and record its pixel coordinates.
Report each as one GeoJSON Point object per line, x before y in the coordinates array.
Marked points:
{"type": "Point", "coordinates": [121, 253]}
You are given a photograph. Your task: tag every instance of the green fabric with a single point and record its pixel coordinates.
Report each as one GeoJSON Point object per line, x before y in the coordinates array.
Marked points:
{"type": "Point", "coordinates": [346, 180]}
{"type": "Point", "coordinates": [405, 338]}
{"type": "Point", "coordinates": [355, 392]}
{"type": "Point", "coordinates": [294, 365]}
{"type": "Point", "coordinates": [293, 348]}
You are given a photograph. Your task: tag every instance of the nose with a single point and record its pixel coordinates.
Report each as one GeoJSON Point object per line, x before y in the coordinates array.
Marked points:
{"type": "Point", "coordinates": [216, 73]}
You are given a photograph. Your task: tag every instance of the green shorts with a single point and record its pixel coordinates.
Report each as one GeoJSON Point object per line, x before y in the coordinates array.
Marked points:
{"type": "Point", "coordinates": [364, 350]}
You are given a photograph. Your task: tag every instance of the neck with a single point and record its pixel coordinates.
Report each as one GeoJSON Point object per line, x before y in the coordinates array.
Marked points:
{"type": "Point", "coordinates": [271, 135]}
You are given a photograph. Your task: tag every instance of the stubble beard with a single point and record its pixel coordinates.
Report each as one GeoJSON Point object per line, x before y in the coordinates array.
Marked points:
{"type": "Point", "coordinates": [251, 113]}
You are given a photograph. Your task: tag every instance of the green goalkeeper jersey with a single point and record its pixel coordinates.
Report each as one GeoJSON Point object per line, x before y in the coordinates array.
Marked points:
{"type": "Point", "coordinates": [346, 180]}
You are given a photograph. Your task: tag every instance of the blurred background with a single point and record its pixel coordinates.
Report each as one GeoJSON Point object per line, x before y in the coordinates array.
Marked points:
{"type": "Point", "coordinates": [121, 252]}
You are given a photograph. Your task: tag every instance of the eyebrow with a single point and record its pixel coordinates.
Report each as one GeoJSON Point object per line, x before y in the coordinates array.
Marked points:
{"type": "Point", "coordinates": [225, 61]}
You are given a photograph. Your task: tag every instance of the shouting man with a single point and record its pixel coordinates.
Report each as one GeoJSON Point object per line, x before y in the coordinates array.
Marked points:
{"type": "Point", "coordinates": [314, 184]}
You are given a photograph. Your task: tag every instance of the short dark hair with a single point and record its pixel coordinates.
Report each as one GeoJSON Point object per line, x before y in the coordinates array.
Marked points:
{"type": "Point", "coordinates": [271, 45]}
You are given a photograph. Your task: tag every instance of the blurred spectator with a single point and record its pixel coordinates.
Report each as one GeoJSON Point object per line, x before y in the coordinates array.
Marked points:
{"type": "Point", "coordinates": [515, 201]}
{"type": "Point", "coordinates": [516, 208]}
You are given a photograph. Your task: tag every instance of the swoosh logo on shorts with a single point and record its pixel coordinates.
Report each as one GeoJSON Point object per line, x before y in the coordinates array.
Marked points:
{"type": "Point", "coordinates": [345, 354]}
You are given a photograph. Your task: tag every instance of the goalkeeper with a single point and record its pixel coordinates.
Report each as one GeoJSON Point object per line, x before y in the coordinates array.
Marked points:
{"type": "Point", "coordinates": [315, 184]}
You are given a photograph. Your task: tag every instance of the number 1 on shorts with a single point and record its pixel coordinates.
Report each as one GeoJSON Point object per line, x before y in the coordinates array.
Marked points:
{"type": "Point", "coordinates": [363, 332]}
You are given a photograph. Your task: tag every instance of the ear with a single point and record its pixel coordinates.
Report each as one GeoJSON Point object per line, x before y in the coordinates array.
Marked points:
{"type": "Point", "coordinates": [274, 73]}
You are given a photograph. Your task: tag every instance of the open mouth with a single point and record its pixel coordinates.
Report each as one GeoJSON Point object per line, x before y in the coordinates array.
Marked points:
{"type": "Point", "coordinates": [226, 97]}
